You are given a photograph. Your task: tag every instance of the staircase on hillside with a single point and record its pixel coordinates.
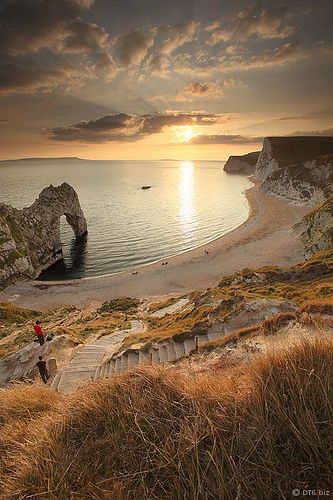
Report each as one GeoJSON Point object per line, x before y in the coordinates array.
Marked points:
{"type": "Point", "coordinates": [89, 357]}
{"type": "Point", "coordinates": [161, 352]}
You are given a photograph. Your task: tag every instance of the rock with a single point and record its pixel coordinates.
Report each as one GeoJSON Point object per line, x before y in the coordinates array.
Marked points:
{"type": "Point", "coordinates": [30, 238]}
{"type": "Point", "coordinates": [316, 229]}
{"type": "Point", "coordinates": [309, 183]}
{"type": "Point", "coordinates": [250, 313]}
{"type": "Point", "coordinates": [22, 363]}
{"type": "Point", "coordinates": [242, 164]}
{"type": "Point", "coordinates": [280, 152]}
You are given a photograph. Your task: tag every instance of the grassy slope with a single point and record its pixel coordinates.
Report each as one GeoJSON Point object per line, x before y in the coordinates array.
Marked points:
{"type": "Point", "coordinates": [158, 434]}
{"type": "Point", "coordinates": [311, 280]}
{"type": "Point", "coordinates": [80, 325]}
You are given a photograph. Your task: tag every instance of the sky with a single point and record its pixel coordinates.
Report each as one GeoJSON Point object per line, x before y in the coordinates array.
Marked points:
{"type": "Point", "coordinates": [150, 79]}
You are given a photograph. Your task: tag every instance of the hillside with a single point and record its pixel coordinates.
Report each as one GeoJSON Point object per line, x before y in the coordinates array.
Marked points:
{"type": "Point", "coordinates": [316, 229]}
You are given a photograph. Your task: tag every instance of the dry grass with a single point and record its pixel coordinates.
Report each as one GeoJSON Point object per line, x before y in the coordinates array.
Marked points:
{"type": "Point", "coordinates": [158, 434]}
{"type": "Point", "coordinates": [20, 406]}
{"type": "Point", "coordinates": [323, 306]}
{"type": "Point", "coordinates": [120, 304]}
{"type": "Point", "coordinates": [232, 338]}
{"type": "Point", "coordinates": [177, 326]}
{"type": "Point", "coordinates": [11, 313]}
{"type": "Point", "coordinates": [273, 324]}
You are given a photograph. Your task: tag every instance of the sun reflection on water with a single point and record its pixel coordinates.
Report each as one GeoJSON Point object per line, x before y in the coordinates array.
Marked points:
{"type": "Point", "coordinates": [187, 209]}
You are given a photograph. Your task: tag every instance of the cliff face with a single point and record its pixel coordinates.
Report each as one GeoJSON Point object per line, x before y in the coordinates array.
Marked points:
{"type": "Point", "coordinates": [316, 229]}
{"type": "Point", "coordinates": [242, 164]}
{"type": "Point", "coordinates": [307, 183]}
{"type": "Point", "coordinates": [30, 238]}
{"type": "Point", "coordinates": [280, 152]}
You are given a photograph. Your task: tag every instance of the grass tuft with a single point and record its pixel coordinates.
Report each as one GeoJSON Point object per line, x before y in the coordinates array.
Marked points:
{"type": "Point", "coordinates": [157, 433]}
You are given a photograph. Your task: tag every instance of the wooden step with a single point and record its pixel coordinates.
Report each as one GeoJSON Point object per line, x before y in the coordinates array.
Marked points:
{"type": "Point", "coordinates": [72, 379]}
{"type": "Point", "coordinates": [171, 351]}
{"type": "Point", "coordinates": [56, 381]}
{"type": "Point", "coordinates": [202, 339]}
{"type": "Point", "coordinates": [189, 345]}
{"type": "Point", "coordinates": [215, 335]}
{"type": "Point", "coordinates": [124, 363]}
{"type": "Point", "coordinates": [154, 355]}
{"type": "Point", "coordinates": [144, 357]}
{"type": "Point", "coordinates": [179, 349]}
{"type": "Point", "coordinates": [133, 359]}
{"type": "Point", "coordinates": [97, 372]}
{"type": "Point", "coordinates": [111, 367]}
{"type": "Point", "coordinates": [117, 365]}
{"type": "Point", "coordinates": [163, 351]}
{"type": "Point", "coordinates": [104, 370]}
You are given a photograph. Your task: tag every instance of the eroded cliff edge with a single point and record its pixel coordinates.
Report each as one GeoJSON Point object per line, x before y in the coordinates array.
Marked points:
{"type": "Point", "coordinates": [30, 238]}
{"type": "Point", "coordinates": [242, 164]}
{"type": "Point", "coordinates": [316, 229]}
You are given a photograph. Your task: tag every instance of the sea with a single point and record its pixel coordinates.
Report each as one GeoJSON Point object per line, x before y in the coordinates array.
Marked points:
{"type": "Point", "coordinates": [189, 204]}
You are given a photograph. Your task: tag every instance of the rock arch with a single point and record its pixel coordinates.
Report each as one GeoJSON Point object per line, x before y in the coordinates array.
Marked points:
{"type": "Point", "coordinates": [30, 238]}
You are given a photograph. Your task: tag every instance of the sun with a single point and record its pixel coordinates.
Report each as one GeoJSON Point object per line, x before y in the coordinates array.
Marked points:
{"type": "Point", "coordinates": [187, 134]}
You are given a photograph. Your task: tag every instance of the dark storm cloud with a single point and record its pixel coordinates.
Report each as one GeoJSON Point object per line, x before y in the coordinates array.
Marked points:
{"type": "Point", "coordinates": [30, 26]}
{"type": "Point", "coordinates": [30, 77]}
{"type": "Point", "coordinates": [265, 23]}
{"type": "Point", "coordinates": [82, 36]}
{"type": "Point", "coordinates": [127, 127]}
{"type": "Point", "coordinates": [224, 139]}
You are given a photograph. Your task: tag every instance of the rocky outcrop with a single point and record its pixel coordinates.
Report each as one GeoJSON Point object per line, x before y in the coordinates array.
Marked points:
{"type": "Point", "coordinates": [242, 164]}
{"type": "Point", "coordinates": [22, 363]}
{"type": "Point", "coordinates": [308, 183]}
{"type": "Point", "coordinates": [316, 229]}
{"type": "Point", "coordinates": [30, 238]}
{"type": "Point", "coordinates": [280, 152]}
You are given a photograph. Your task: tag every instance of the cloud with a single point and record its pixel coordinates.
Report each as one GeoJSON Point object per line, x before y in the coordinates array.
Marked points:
{"type": "Point", "coordinates": [245, 60]}
{"type": "Point", "coordinates": [324, 131]}
{"type": "Point", "coordinates": [224, 139]}
{"type": "Point", "coordinates": [127, 127]}
{"type": "Point", "coordinates": [132, 47]}
{"type": "Point", "coordinates": [158, 64]}
{"type": "Point", "coordinates": [267, 23]}
{"type": "Point", "coordinates": [30, 77]}
{"type": "Point", "coordinates": [177, 35]}
{"type": "Point", "coordinates": [240, 139]}
{"type": "Point", "coordinates": [31, 26]}
{"type": "Point", "coordinates": [205, 90]}
{"type": "Point", "coordinates": [82, 37]}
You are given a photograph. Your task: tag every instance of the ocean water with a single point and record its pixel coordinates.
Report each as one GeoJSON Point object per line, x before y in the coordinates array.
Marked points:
{"type": "Point", "coordinates": [188, 205]}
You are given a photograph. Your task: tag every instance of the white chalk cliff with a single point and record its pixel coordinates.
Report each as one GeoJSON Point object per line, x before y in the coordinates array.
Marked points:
{"type": "Point", "coordinates": [242, 164]}
{"type": "Point", "coordinates": [299, 169]}
{"type": "Point", "coordinates": [316, 229]}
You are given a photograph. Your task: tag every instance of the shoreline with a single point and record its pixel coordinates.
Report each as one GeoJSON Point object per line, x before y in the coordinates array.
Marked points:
{"type": "Point", "coordinates": [264, 238]}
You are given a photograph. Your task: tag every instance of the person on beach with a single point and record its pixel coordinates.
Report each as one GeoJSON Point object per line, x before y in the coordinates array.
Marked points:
{"type": "Point", "coordinates": [38, 332]}
{"type": "Point", "coordinates": [43, 371]}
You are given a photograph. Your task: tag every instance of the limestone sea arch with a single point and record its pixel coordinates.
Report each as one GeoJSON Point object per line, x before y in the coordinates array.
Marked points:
{"type": "Point", "coordinates": [30, 238]}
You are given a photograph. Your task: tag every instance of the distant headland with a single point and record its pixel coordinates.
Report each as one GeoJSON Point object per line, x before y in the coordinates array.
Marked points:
{"type": "Point", "coordinates": [62, 158]}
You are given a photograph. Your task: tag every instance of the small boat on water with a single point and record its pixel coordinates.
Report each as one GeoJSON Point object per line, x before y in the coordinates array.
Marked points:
{"type": "Point", "coordinates": [145, 187]}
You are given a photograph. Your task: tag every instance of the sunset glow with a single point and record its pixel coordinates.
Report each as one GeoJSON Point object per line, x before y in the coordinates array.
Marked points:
{"type": "Point", "coordinates": [104, 80]}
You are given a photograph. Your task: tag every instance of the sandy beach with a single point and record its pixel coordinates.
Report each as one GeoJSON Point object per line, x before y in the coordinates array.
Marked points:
{"type": "Point", "coordinates": [265, 238]}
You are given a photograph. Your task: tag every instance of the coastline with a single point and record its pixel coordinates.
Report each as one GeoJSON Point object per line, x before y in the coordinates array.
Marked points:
{"type": "Point", "coordinates": [264, 238]}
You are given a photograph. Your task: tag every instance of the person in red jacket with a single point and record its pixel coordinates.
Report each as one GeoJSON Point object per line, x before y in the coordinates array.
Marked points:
{"type": "Point", "coordinates": [39, 333]}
